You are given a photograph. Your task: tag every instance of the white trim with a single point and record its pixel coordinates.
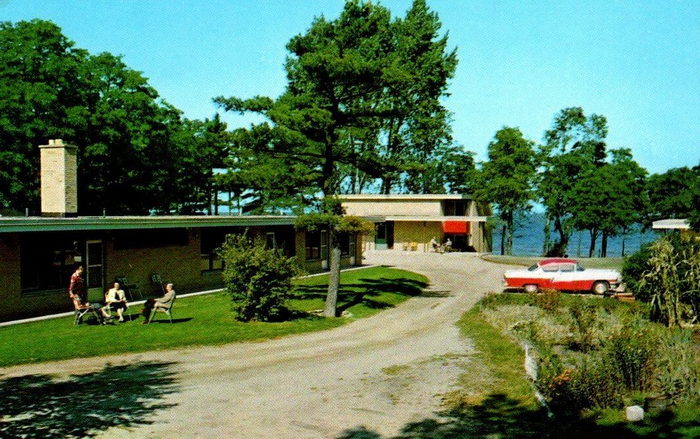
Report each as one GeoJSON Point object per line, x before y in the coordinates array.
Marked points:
{"type": "Point", "coordinates": [354, 197]}
{"type": "Point", "coordinates": [671, 224]}
{"type": "Point", "coordinates": [400, 218]}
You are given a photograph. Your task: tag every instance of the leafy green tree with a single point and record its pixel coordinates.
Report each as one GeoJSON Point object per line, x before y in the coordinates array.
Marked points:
{"type": "Point", "coordinates": [258, 279]}
{"type": "Point", "coordinates": [609, 198]}
{"type": "Point", "coordinates": [127, 159]}
{"type": "Point", "coordinates": [416, 131]}
{"type": "Point", "coordinates": [574, 146]}
{"type": "Point", "coordinates": [628, 200]}
{"type": "Point", "coordinates": [674, 194]}
{"type": "Point", "coordinates": [507, 179]}
{"type": "Point", "coordinates": [341, 75]}
{"type": "Point", "coordinates": [203, 146]}
{"type": "Point", "coordinates": [40, 98]}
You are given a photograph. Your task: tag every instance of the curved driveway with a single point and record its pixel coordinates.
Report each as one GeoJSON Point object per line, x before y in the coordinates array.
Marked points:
{"type": "Point", "coordinates": [381, 372]}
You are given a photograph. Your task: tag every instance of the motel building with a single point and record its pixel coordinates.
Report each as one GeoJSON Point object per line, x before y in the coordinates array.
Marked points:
{"type": "Point", "coordinates": [408, 222]}
{"type": "Point", "coordinates": [38, 254]}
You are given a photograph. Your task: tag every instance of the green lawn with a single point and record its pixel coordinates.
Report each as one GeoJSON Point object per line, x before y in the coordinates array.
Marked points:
{"type": "Point", "coordinates": [207, 320]}
{"type": "Point", "coordinates": [615, 263]}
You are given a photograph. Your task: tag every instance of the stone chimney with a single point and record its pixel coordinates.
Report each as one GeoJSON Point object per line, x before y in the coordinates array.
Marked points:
{"type": "Point", "coordinates": [59, 179]}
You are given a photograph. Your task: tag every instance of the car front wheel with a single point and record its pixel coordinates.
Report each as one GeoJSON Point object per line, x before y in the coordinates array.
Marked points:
{"type": "Point", "coordinates": [601, 287]}
{"type": "Point", "coordinates": [530, 288]}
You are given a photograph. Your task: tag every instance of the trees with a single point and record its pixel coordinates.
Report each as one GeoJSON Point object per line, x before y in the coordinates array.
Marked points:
{"type": "Point", "coordinates": [574, 148]}
{"type": "Point", "coordinates": [352, 80]}
{"type": "Point", "coordinates": [609, 198]}
{"type": "Point", "coordinates": [507, 179]}
{"type": "Point", "coordinates": [40, 98]}
{"type": "Point", "coordinates": [674, 194]}
{"type": "Point", "coordinates": [127, 157]}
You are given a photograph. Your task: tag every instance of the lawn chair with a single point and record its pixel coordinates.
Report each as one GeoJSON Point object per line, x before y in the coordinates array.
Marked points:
{"type": "Point", "coordinates": [129, 289]}
{"type": "Point", "coordinates": [168, 311]}
{"type": "Point", "coordinates": [81, 310]}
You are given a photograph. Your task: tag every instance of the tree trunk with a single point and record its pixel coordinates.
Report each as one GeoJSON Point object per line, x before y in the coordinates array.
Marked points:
{"type": "Point", "coordinates": [386, 185]}
{"type": "Point", "coordinates": [509, 234]}
{"type": "Point", "coordinates": [333, 276]}
{"type": "Point", "coordinates": [563, 243]}
{"type": "Point", "coordinates": [604, 245]}
{"type": "Point", "coordinates": [503, 240]}
{"type": "Point", "coordinates": [594, 237]}
{"type": "Point", "coordinates": [623, 246]}
{"type": "Point", "coordinates": [547, 230]}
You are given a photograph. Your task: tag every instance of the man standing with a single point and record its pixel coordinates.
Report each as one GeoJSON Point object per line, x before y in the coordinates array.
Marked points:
{"type": "Point", "coordinates": [77, 286]}
{"type": "Point", "coordinates": [78, 293]}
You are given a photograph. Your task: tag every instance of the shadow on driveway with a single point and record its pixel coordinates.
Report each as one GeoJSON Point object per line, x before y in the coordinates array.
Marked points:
{"type": "Point", "coordinates": [41, 406]}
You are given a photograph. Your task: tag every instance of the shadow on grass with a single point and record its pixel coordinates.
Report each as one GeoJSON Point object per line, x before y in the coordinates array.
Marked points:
{"type": "Point", "coordinates": [501, 417]}
{"type": "Point", "coordinates": [165, 319]}
{"type": "Point", "coordinates": [41, 406]}
{"type": "Point", "coordinates": [362, 292]}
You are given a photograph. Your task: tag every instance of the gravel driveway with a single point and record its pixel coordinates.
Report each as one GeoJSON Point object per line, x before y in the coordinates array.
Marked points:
{"type": "Point", "coordinates": [381, 372]}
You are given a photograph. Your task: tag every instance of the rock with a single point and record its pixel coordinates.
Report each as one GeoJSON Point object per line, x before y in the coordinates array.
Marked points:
{"type": "Point", "coordinates": [634, 413]}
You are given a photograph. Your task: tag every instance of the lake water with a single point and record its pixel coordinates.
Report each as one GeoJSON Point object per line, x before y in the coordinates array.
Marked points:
{"type": "Point", "coordinates": [529, 239]}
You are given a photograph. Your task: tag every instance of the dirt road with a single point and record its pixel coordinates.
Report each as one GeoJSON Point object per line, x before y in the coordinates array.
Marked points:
{"type": "Point", "coordinates": [381, 372]}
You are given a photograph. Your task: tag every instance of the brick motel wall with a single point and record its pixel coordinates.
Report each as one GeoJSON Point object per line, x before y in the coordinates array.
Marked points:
{"type": "Point", "coordinates": [179, 264]}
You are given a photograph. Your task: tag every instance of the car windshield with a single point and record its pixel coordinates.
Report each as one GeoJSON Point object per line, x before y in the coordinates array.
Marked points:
{"type": "Point", "coordinates": [579, 267]}
{"type": "Point", "coordinates": [532, 267]}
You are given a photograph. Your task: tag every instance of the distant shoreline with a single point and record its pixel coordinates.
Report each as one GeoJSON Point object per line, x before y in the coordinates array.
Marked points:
{"type": "Point", "coordinates": [529, 240]}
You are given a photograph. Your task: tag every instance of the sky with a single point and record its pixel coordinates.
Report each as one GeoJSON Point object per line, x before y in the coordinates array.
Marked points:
{"type": "Point", "coordinates": [635, 62]}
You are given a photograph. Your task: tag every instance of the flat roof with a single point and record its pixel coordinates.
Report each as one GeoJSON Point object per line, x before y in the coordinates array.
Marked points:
{"type": "Point", "coordinates": [671, 224]}
{"type": "Point", "coordinates": [50, 224]}
{"type": "Point", "coordinates": [401, 197]}
{"type": "Point", "coordinates": [426, 218]}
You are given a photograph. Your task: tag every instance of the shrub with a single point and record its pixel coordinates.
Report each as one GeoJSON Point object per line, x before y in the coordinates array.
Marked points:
{"type": "Point", "coordinates": [632, 352]}
{"type": "Point", "coordinates": [678, 376]}
{"type": "Point", "coordinates": [583, 321]}
{"type": "Point", "coordinates": [258, 279]}
{"type": "Point", "coordinates": [591, 384]}
{"type": "Point", "coordinates": [633, 268]}
{"type": "Point", "coordinates": [667, 274]}
{"type": "Point", "coordinates": [548, 299]}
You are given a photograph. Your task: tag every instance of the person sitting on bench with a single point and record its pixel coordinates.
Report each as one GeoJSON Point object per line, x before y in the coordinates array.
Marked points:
{"type": "Point", "coordinates": [115, 299]}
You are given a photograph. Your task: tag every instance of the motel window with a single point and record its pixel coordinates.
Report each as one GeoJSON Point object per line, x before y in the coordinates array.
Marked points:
{"type": "Point", "coordinates": [344, 240]}
{"type": "Point", "coordinates": [313, 245]}
{"type": "Point", "coordinates": [270, 240]}
{"type": "Point", "coordinates": [211, 240]}
{"type": "Point", "coordinates": [455, 207]}
{"type": "Point", "coordinates": [47, 261]}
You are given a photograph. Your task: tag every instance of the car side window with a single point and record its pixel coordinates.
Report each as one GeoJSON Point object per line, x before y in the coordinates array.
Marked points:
{"type": "Point", "coordinates": [550, 268]}
{"type": "Point", "coordinates": [568, 268]}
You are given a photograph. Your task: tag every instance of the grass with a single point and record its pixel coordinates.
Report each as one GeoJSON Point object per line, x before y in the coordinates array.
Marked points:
{"type": "Point", "coordinates": [207, 320]}
{"type": "Point", "coordinates": [503, 357]}
{"type": "Point", "coordinates": [614, 263]}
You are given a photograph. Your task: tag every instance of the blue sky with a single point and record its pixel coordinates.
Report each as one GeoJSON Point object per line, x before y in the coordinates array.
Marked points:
{"type": "Point", "coordinates": [636, 62]}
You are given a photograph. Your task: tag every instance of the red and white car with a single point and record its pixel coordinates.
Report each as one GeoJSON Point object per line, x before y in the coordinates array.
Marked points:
{"type": "Point", "coordinates": [565, 275]}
